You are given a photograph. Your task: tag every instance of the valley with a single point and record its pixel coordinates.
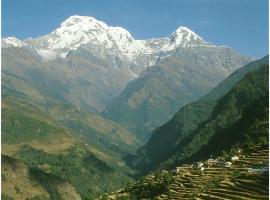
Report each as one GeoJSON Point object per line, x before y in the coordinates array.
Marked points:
{"type": "Point", "coordinates": [90, 112]}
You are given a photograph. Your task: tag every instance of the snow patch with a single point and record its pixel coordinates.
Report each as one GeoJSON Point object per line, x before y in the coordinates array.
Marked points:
{"type": "Point", "coordinates": [12, 41]}
{"type": "Point", "coordinates": [133, 74]}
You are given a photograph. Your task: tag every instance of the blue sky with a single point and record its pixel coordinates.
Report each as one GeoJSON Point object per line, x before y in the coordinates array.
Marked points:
{"type": "Point", "coordinates": [240, 24]}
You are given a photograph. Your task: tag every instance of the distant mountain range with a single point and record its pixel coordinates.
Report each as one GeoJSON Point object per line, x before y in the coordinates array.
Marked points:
{"type": "Point", "coordinates": [103, 40]}
{"type": "Point", "coordinates": [96, 61]}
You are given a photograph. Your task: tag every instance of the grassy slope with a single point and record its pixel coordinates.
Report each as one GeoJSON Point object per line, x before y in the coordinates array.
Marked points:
{"type": "Point", "coordinates": [82, 169]}
{"type": "Point", "coordinates": [21, 182]}
{"type": "Point", "coordinates": [104, 133]}
{"type": "Point", "coordinates": [23, 122]}
{"type": "Point", "coordinates": [47, 148]}
{"type": "Point", "coordinates": [94, 128]}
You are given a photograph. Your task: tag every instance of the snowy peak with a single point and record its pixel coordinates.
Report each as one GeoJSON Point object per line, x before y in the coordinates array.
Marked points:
{"type": "Point", "coordinates": [76, 19]}
{"type": "Point", "coordinates": [11, 41]}
{"type": "Point", "coordinates": [184, 32]}
{"type": "Point", "coordinates": [90, 25]}
{"type": "Point", "coordinates": [185, 37]}
{"type": "Point", "coordinates": [77, 30]}
{"type": "Point", "coordinates": [81, 24]}
{"type": "Point", "coordinates": [84, 29]}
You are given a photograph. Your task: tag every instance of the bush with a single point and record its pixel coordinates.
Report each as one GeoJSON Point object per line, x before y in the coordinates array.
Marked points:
{"type": "Point", "coordinates": [6, 197]}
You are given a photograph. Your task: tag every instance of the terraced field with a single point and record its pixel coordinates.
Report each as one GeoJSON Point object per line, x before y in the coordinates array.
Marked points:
{"type": "Point", "coordinates": [245, 177]}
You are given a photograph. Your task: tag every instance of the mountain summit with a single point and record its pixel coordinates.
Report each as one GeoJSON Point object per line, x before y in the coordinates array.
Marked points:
{"type": "Point", "coordinates": [77, 31]}
{"type": "Point", "coordinates": [185, 37]}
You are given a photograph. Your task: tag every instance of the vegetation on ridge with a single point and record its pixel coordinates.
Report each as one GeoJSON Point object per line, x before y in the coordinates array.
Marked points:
{"type": "Point", "coordinates": [195, 124]}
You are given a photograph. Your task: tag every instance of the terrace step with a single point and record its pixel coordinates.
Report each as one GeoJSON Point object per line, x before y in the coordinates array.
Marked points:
{"type": "Point", "coordinates": [251, 188]}
{"type": "Point", "coordinates": [235, 192]}
{"type": "Point", "coordinates": [211, 197]}
{"type": "Point", "coordinates": [226, 196]}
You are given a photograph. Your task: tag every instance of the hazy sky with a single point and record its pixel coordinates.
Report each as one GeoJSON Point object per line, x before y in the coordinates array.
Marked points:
{"type": "Point", "coordinates": [240, 24]}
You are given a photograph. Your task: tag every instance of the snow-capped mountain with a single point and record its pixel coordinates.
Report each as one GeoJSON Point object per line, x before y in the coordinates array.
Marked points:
{"type": "Point", "coordinates": [86, 63]}
{"type": "Point", "coordinates": [77, 31]}
{"type": "Point", "coordinates": [11, 41]}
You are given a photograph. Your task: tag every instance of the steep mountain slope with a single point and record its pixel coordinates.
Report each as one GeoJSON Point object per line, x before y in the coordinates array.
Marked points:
{"type": "Point", "coordinates": [154, 97]}
{"type": "Point", "coordinates": [41, 128]}
{"type": "Point", "coordinates": [21, 182]}
{"type": "Point", "coordinates": [89, 175]}
{"type": "Point", "coordinates": [77, 173]}
{"type": "Point", "coordinates": [61, 164]}
{"type": "Point", "coordinates": [101, 133]}
{"type": "Point", "coordinates": [240, 117]}
{"type": "Point", "coordinates": [189, 131]}
{"type": "Point", "coordinates": [75, 80]}
{"type": "Point", "coordinates": [104, 133]}
{"type": "Point", "coordinates": [88, 63]}
{"type": "Point", "coordinates": [22, 123]}
{"type": "Point", "coordinates": [25, 78]}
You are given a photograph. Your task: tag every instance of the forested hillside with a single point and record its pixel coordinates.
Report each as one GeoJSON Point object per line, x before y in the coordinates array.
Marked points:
{"type": "Point", "coordinates": [212, 116]}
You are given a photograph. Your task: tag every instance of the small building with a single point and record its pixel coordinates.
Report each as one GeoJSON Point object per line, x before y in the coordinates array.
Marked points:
{"type": "Point", "coordinates": [234, 158]}
{"type": "Point", "coordinates": [178, 169]}
{"type": "Point", "coordinates": [210, 162]}
{"type": "Point", "coordinates": [228, 164]}
{"type": "Point", "coordinates": [199, 164]}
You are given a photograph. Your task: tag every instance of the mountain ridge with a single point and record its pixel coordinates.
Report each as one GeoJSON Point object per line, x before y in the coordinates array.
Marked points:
{"type": "Point", "coordinates": [76, 31]}
{"type": "Point", "coordinates": [153, 98]}
{"type": "Point", "coordinates": [189, 121]}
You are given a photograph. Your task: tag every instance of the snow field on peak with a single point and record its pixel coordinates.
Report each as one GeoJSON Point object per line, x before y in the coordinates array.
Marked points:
{"type": "Point", "coordinates": [76, 31]}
